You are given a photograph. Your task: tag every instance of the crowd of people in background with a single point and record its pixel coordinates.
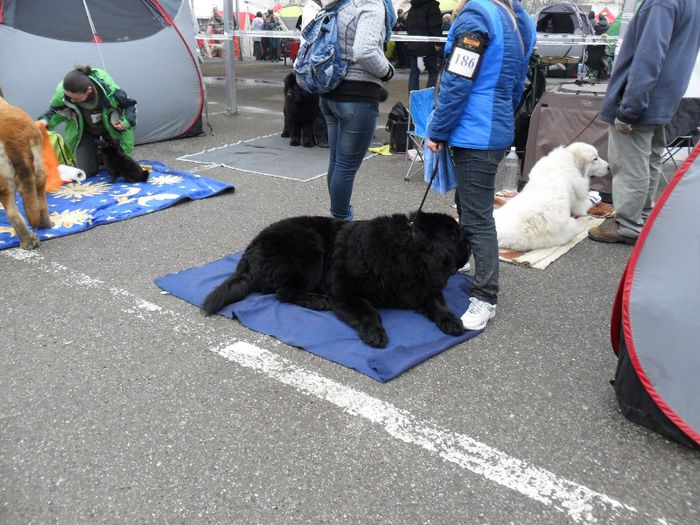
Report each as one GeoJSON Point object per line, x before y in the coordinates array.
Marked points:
{"type": "Point", "coordinates": [600, 23]}
{"type": "Point", "coordinates": [267, 48]}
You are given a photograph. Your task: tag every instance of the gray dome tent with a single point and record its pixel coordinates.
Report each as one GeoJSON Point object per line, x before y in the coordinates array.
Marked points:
{"type": "Point", "coordinates": [561, 19]}
{"type": "Point", "coordinates": [564, 18]}
{"type": "Point", "coordinates": [147, 46]}
{"type": "Point", "coordinates": [655, 326]}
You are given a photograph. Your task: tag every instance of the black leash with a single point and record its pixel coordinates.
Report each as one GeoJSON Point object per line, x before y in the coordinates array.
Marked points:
{"type": "Point", "coordinates": [425, 195]}
{"type": "Point", "coordinates": [584, 129]}
{"type": "Point", "coordinates": [437, 154]}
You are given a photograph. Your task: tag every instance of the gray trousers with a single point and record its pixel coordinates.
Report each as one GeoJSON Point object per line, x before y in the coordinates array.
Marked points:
{"type": "Point", "coordinates": [635, 164]}
{"type": "Point", "coordinates": [87, 156]}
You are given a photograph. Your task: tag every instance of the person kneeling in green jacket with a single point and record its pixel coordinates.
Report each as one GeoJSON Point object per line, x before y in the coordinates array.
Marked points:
{"type": "Point", "coordinates": [92, 105]}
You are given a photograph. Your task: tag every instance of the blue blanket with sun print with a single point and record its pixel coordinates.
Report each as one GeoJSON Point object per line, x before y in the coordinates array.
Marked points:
{"type": "Point", "coordinates": [77, 207]}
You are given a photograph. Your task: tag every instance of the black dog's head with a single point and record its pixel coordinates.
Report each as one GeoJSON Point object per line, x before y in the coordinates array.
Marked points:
{"type": "Point", "coordinates": [439, 234]}
{"type": "Point", "coordinates": [298, 97]}
{"type": "Point", "coordinates": [110, 147]}
{"type": "Point", "coordinates": [292, 92]}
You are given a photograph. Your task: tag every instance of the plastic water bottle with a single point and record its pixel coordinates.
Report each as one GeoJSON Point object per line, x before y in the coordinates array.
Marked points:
{"type": "Point", "coordinates": [511, 173]}
{"type": "Point", "coordinates": [579, 71]}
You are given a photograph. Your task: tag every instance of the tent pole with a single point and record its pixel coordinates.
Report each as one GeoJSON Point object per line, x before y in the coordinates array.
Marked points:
{"type": "Point", "coordinates": [231, 107]}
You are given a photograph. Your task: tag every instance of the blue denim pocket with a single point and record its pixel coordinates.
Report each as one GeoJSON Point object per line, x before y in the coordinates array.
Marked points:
{"type": "Point", "coordinates": [342, 110]}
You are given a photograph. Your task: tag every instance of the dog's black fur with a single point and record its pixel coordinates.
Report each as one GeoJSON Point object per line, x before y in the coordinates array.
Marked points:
{"type": "Point", "coordinates": [352, 268]}
{"type": "Point", "coordinates": [300, 112]}
{"type": "Point", "coordinates": [119, 164]}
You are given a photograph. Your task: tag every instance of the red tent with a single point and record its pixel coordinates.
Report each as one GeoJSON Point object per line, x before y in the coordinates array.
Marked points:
{"type": "Point", "coordinates": [655, 328]}
{"type": "Point", "coordinates": [608, 14]}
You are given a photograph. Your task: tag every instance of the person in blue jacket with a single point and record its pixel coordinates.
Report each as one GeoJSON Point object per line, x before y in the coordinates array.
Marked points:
{"type": "Point", "coordinates": [648, 81]}
{"type": "Point", "coordinates": [486, 57]}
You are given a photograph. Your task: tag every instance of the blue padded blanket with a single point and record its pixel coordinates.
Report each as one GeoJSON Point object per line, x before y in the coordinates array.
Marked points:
{"type": "Point", "coordinates": [412, 337]}
{"type": "Point", "coordinates": [77, 207]}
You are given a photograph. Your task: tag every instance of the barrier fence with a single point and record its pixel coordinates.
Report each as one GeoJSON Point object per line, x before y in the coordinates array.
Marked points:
{"type": "Point", "coordinates": [227, 37]}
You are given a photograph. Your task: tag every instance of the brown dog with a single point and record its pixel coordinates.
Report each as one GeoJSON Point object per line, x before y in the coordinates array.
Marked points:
{"type": "Point", "coordinates": [22, 168]}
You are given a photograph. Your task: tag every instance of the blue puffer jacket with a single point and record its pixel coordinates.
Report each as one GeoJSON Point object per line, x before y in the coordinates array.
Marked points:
{"type": "Point", "coordinates": [655, 62]}
{"type": "Point", "coordinates": [478, 113]}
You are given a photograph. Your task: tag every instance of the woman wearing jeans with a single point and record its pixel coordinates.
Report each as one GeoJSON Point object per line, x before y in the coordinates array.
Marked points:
{"type": "Point", "coordinates": [481, 84]}
{"type": "Point", "coordinates": [351, 110]}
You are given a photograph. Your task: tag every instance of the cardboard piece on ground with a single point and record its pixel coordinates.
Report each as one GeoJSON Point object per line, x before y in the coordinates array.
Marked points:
{"type": "Point", "coordinates": [543, 257]}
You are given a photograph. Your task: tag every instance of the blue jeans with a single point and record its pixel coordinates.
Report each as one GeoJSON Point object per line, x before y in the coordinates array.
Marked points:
{"type": "Point", "coordinates": [414, 76]}
{"type": "Point", "coordinates": [350, 126]}
{"type": "Point", "coordinates": [476, 185]}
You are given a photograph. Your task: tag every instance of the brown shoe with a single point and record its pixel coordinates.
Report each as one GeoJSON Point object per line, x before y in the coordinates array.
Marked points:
{"type": "Point", "coordinates": [609, 231]}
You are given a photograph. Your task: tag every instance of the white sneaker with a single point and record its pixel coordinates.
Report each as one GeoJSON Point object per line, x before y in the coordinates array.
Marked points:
{"type": "Point", "coordinates": [465, 268]}
{"type": "Point", "coordinates": [478, 314]}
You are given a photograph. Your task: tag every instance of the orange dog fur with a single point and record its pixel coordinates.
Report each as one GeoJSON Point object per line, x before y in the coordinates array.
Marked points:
{"type": "Point", "coordinates": [22, 168]}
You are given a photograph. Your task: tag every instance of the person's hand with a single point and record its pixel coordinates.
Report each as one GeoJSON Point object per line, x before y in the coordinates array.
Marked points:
{"type": "Point", "coordinates": [435, 146]}
{"type": "Point", "coordinates": [623, 127]}
{"type": "Point", "coordinates": [119, 126]}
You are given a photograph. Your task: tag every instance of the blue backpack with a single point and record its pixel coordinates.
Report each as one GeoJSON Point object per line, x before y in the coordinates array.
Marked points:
{"type": "Point", "coordinates": [320, 66]}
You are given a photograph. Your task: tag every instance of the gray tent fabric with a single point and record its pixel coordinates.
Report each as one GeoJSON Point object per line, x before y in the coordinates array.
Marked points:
{"type": "Point", "coordinates": [149, 52]}
{"type": "Point", "coordinates": [564, 18]}
{"type": "Point", "coordinates": [269, 155]}
{"type": "Point", "coordinates": [69, 21]}
{"type": "Point", "coordinates": [658, 302]}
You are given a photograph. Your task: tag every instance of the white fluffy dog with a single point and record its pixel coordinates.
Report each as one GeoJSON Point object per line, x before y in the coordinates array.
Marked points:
{"type": "Point", "coordinates": [540, 216]}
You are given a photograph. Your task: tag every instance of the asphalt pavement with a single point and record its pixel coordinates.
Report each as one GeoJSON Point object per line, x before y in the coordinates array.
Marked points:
{"type": "Point", "coordinates": [119, 404]}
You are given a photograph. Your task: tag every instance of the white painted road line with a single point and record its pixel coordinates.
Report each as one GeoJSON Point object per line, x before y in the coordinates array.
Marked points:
{"type": "Point", "coordinates": [250, 109]}
{"type": "Point", "coordinates": [580, 503]}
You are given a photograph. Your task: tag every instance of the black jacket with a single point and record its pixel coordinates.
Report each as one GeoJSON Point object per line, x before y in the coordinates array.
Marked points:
{"type": "Point", "coordinates": [601, 27]}
{"type": "Point", "coordinates": [424, 19]}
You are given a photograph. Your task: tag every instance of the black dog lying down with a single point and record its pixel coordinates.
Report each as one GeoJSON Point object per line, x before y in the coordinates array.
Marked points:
{"type": "Point", "coordinates": [352, 268]}
{"type": "Point", "coordinates": [119, 164]}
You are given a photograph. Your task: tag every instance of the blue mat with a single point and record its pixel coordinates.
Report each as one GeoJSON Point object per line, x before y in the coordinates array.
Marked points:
{"type": "Point", "coordinates": [412, 337]}
{"type": "Point", "coordinates": [77, 207]}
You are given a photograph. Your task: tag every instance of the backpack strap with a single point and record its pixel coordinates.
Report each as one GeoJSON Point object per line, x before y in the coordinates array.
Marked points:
{"type": "Point", "coordinates": [509, 9]}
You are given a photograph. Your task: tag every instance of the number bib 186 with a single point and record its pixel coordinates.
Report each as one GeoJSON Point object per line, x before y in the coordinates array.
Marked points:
{"type": "Point", "coordinates": [467, 52]}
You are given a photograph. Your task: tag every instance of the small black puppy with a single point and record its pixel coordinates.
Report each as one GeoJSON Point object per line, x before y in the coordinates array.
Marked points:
{"type": "Point", "coordinates": [300, 111]}
{"type": "Point", "coordinates": [119, 164]}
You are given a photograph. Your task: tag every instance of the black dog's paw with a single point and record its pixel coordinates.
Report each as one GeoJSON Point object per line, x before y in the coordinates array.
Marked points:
{"type": "Point", "coordinates": [285, 134]}
{"type": "Point", "coordinates": [374, 336]}
{"type": "Point", "coordinates": [319, 303]}
{"type": "Point", "coordinates": [295, 142]}
{"type": "Point", "coordinates": [451, 326]}
{"type": "Point", "coordinates": [308, 144]}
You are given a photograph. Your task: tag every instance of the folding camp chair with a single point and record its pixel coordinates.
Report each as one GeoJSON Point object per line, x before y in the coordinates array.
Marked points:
{"type": "Point", "coordinates": [420, 104]}
{"type": "Point", "coordinates": [596, 62]}
{"type": "Point", "coordinates": [678, 144]}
